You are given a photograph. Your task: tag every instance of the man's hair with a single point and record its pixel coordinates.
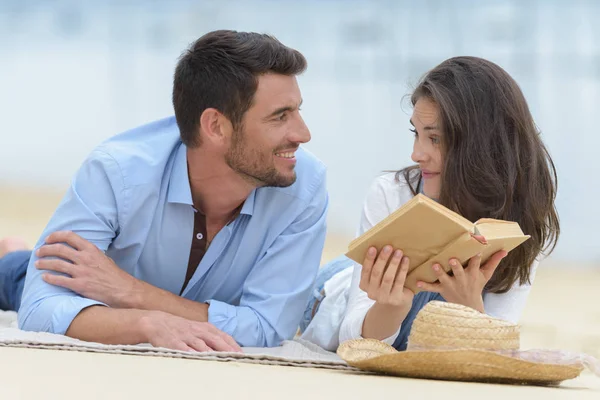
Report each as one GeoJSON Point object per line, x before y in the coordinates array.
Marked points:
{"type": "Point", "coordinates": [495, 163]}
{"type": "Point", "coordinates": [221, 70]}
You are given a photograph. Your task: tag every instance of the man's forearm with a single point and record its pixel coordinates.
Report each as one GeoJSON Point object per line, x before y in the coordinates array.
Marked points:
{"type": "Point", "coordinates": [160, 329]}
{"type": "Point", "coordinates": [151, 298]}
{"type": "Point", "coordinates": [109, 325]}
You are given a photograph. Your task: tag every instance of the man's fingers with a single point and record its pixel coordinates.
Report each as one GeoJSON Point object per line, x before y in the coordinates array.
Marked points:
{"type": "Point", "coordinates": [389, 276]}
{"type": "Point", "coordinates": [216, 342]}
{"type": "Point", "coordinates": [231, 342]}
{"type": "Point", "coordinates": [178, 345]}
{"type": "Point", "coordinates": [198, 345]}
{"type": "Point", "coordinates": [206, 328]}
{"type": "Point", "coordinates": [59, 280]}
{"type": "Point", "coordinates": [224, 339]}
{"type": "Point", "coordinates": [72, 239]}
{"type": "Point", "coordinates": [56, 265]}
{"type": "Point", "coordinates": [58, 250]}
{"type": "Point", "coordinates": [367, 266]}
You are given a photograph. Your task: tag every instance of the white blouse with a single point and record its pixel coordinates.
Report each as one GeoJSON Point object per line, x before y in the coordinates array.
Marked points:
{"type": "Point", "coordinates": [342, 312]}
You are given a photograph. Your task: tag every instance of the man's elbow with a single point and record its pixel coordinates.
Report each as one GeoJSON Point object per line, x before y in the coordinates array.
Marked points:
{"type": "Point", "coordinates": [272, 337]}
{"type": "Point", "coordinates": [31, 318]}
{"type": "Point", "coordinates": [265, 336]}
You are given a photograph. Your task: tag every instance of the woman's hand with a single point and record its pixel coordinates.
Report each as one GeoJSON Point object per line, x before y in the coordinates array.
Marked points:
{"type": "Point", "coordinates": [383, 279]}
{"type": "Point", "coordinates": [466, 286]}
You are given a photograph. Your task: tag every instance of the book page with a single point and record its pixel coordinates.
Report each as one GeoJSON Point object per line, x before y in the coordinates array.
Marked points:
{"type": "Point", "coordinates": [492, 228]}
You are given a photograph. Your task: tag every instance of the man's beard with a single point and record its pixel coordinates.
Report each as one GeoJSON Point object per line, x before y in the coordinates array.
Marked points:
{"type": "Point", "coordinates": [256, 167]}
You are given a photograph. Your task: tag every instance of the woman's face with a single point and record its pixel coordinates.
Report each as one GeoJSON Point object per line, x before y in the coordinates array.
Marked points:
{"type": "Point", "coordinates": [427, 150]}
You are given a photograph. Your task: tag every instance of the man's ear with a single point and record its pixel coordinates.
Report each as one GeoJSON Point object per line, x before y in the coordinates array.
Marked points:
{"type": "Point", "coordinates": [215, 127]}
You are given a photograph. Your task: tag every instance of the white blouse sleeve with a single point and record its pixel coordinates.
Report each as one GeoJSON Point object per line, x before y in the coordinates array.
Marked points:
{"type": "Point", "coordinates": [384, 197]}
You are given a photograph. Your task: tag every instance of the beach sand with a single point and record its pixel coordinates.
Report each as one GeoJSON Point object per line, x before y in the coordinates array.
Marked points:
{"type": "Point", "coordinates": [562, 313]}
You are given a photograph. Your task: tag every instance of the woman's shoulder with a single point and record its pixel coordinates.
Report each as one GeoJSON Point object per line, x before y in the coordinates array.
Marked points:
{"type": "Point", "coordinates": [391, 187]}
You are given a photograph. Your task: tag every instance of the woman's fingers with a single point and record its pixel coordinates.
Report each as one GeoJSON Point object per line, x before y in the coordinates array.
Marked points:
{"type": "Point", "coordinates": [457, 269]}
{"type": "Point", "coordinates": [389, 276]}
{"type": "Point", "coordinates": [367, 266]}
{"type": "Point", "coordinates": [378, 269]}
{"type": "Point", "coordinates": [398, 289]}
{"type": "Point", "coordinates": [492, 263]}
{"type": "Point", "coordinates": [441, 274]}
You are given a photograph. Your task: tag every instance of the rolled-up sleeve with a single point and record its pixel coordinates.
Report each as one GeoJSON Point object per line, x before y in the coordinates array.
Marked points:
{"type": "Point", "coordinates": [90, 209]}
{"type": "Point", "coordinates": [276, 291]}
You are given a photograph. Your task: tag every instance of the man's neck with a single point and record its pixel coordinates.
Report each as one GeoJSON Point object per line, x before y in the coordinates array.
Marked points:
{"type": "Point", "coordinates": [217, 190]}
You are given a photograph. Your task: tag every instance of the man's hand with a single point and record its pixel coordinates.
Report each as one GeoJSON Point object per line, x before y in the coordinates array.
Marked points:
{"type": "Point", "coordinates": [90, 273]}
{"type": "Point", "coordinates": [165, 330]}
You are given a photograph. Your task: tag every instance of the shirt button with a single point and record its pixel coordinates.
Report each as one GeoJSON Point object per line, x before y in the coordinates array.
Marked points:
{"type": "Point", "coordinates": [199, 236]}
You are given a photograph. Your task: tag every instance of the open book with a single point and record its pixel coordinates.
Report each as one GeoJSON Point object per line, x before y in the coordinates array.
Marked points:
{"type": "Point", "coordinates": [428, 232]}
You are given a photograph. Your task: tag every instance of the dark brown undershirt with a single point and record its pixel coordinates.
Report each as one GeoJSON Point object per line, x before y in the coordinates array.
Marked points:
{"type": "Point", "coordinates": [198, 248]}
{"type": "Point", "coordinates": [200, 244]}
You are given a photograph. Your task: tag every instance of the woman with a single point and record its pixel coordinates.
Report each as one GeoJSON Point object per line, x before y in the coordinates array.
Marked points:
{"type": "Point", "coordinates": [478, 153]}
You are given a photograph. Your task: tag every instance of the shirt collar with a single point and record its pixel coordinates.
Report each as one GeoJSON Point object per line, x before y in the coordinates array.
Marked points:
{"type": "Point", "coordinates": [248, 207]}
{"type": "Point", "coordinates": [179, 184]}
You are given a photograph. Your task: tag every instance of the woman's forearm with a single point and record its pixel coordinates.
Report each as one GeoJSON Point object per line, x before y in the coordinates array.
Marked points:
{"type": "Point", "coordinates": [383, 321]}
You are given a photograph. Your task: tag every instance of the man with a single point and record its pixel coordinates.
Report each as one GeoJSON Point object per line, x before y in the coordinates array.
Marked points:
{"type": "Point", "coordinates": [198, 232]}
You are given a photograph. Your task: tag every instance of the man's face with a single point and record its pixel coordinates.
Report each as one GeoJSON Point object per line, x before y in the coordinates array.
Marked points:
{"type": "Point", "coordinates": [262, 149]}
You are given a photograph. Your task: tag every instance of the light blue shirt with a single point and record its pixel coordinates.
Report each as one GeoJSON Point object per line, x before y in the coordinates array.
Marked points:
{"type": "Point", "coordinates": [132, 199]}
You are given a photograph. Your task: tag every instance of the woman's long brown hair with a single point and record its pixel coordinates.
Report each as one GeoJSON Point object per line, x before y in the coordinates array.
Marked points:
{"type": "Point", "coordinates": [495, 163]}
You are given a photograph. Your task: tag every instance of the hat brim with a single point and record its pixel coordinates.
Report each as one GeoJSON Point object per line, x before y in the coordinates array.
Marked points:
{"type": "Point", "coordinates": [457, 365]}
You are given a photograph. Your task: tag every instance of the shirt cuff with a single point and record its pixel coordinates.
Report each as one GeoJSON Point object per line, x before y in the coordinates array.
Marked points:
{"type": "Point", "coordinates": [66, 311]}
{"type": "Point", "coordinates": [54, 314]}
{"type": "Point", "coordinates": [223, 316]}
{"type": "Point", "coordinates": [390, 340]}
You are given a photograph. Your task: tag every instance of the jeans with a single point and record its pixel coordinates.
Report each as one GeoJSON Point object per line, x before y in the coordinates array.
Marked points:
{"type": "Point", "coordinates": [13, 267]}
{"type": "Point", "coordinates": [325, 273]}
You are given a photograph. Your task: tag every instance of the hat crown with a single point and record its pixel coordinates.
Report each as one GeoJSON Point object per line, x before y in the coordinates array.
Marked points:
{"type": "Point", "coordinates": [446, 326]}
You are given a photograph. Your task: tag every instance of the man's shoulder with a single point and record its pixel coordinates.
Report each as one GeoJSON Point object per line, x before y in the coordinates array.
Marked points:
{"type": "Point", "coordinates": [141, 151]}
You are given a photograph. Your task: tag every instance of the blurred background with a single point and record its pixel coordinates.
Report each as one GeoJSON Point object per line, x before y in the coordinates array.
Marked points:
{"type": "Point", "coordinates": [75, 72]}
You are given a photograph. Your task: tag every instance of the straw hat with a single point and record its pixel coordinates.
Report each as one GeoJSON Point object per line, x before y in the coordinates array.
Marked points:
{"type": "Point", "coordinates": [453, 342]}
